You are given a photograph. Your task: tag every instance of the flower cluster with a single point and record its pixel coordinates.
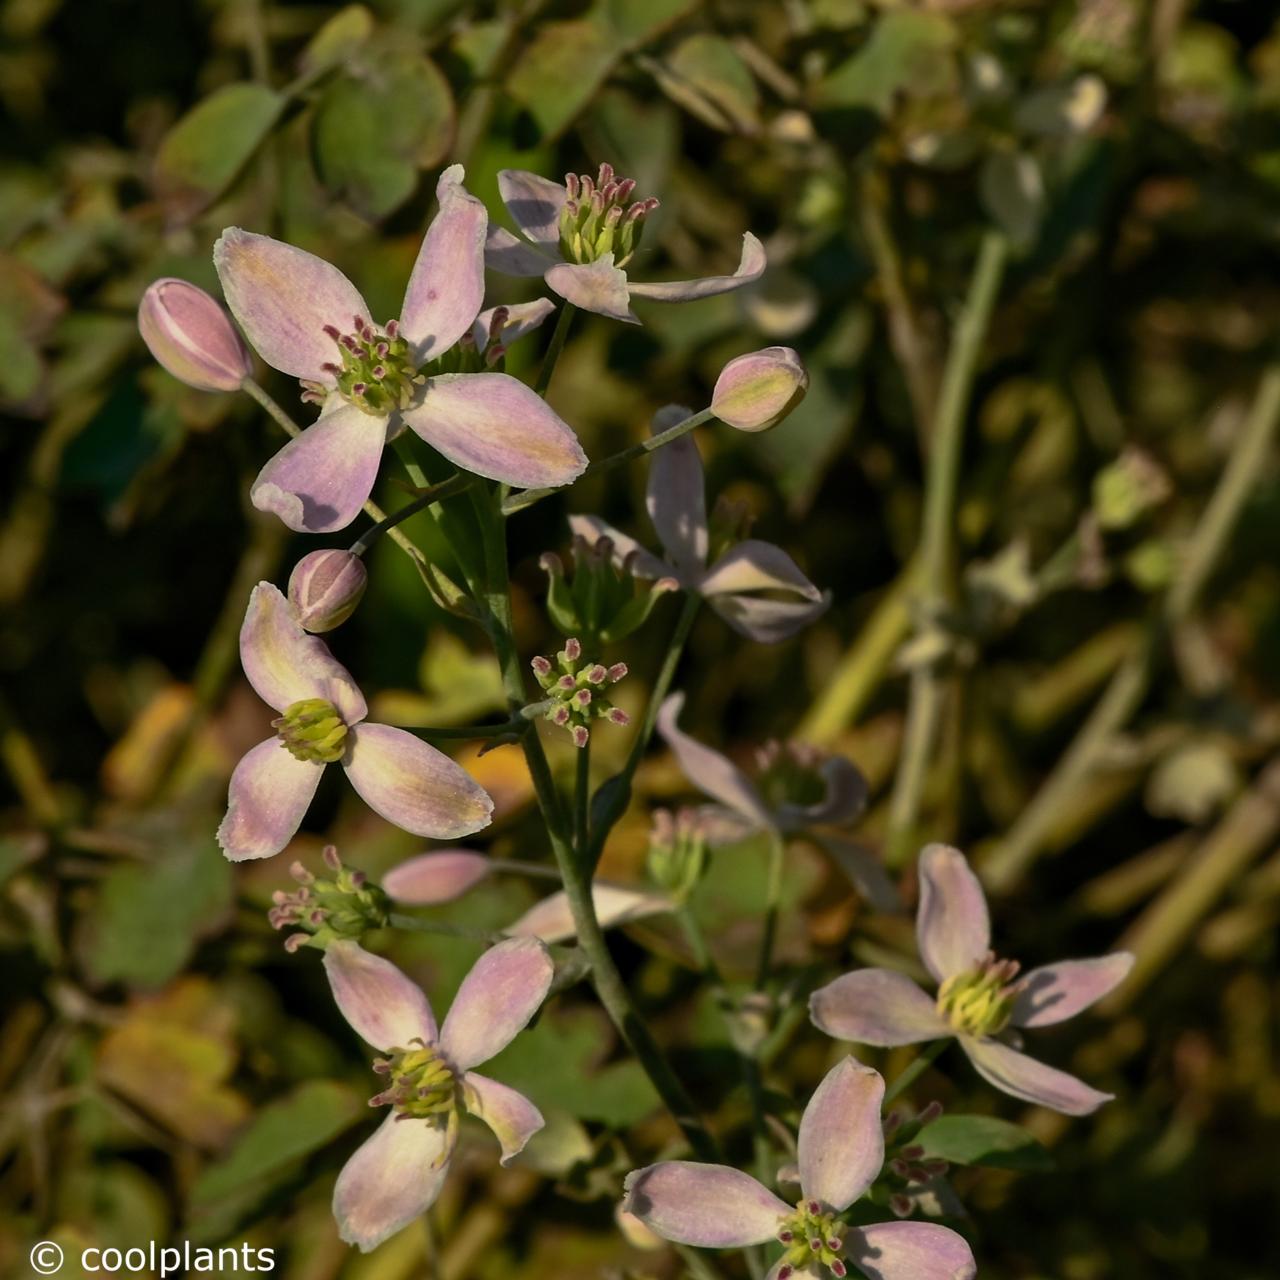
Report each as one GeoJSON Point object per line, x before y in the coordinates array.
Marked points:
{"type": "Point", "coordinates": [575, 691]}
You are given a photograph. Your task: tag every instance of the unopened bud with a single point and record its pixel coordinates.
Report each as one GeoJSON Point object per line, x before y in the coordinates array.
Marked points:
{"type": "Point", "coordinates": [325, 587]}
{"type": "Point", "coordinates": [191, 335]}
{"type": "Point", "coordinates": [756, 391]}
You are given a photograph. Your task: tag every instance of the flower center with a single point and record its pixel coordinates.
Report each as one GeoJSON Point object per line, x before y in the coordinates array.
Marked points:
{"type": "Point", "coordinates": [421, 1083]}
{"type": "Point", "coordinates": [325, 909]}
{"type": "Point", "coordinates": [376, 372]}
{"type": "Point", "coordinates": [312, 730]}
{"type": "Point", "coordinates": [812, 1238]}
{"type": "Point", "coordinates": [600, 217]}
{"type": "Point", "coordinates": [788, 773]}
{"type": "Point", "coordinates": [979, 1003]}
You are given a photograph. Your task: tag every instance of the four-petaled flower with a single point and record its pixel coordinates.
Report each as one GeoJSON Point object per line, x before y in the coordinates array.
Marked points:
{"type": "Point", "coordinates": [840, 1154]}
{"type": "Point", "coordinates": [322, 721]}
{"type": "Point", "coordinates": [397, 1174]}
{"type": "Point", "coordinates": [978, 995]}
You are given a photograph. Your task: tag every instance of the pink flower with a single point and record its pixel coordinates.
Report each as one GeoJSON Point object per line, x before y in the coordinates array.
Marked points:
{"type": "Point", "coordinates": [307, 319]}
{"type": "Point", "coordinates": [322, 721]}
{"type": "Point", "coordinates": [192, 336]}
{"type": "Point", "coordinates": [580, 234]}
{"type": "Point", "coordinates": [754, 586]}
{"type": "Point", "coordinates": [840, 1154]}
{"type": "Point", "coordinates": [397, 1174]}
{"type": "Point", "coordinates": [979, 997]}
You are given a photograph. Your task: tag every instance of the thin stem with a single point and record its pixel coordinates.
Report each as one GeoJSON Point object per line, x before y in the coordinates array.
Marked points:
{"type": "Point", "coordinates": [582, 800]}
{"type": "Point", "coordinates": [773, 895]}
{"type": "Point", "coordinates": [549, 361]}
{"type": "Point", "coordinates": [412, 924]}
{"type": "Point", "coordinates": [433, 493]}
{"type": "Point", "coordinates": [923, 1061]}
{"type": "Point", "coordinates": [697, 942]}
{"type": "Point", "coordinates": [535, 870]}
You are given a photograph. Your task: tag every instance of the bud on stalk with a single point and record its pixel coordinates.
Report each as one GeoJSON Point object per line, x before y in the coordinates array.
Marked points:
{"type": "Point", "coordinates": [191, 335]}
{"type": "Point", "coordinates": [756, 391]}
{"type": "Point", "coordinates": [325, 587]}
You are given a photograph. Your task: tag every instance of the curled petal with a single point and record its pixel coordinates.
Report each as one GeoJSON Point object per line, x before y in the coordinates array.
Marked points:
{"type": "Point", "coordinates": [383, 1006]}
{"type": "Point", "coordinates": [910, 1251]}
{"type": "Point", "coordinates": [495, 426]}
{"type": "Point", "coordinates": [283, 298]}
{"type": "Point", "coordinates": [413, 785]}
{"type": "Point", "coordinates": [753, 565]}
{"type": "Point", "coordinates": [750, 268]}
{"type": "Point", "coordinates": [552, 921]}
{"type": "Point", "coordinates": [845, 799]}
{"type": "Point", "coordinates": [953, 930]}
{"type": "Point", "coordinates": [596, 286]}
{"type": "Point", "coordinates": [1056, 992]}
{"type": "Point", "coordinates": [268, 798]}
{"type": "Point", "coordinates": [841, 1143]}
{"type": "Point", "coordinates": [1032, 1081]}
{"type": "Point", "coordinates": [767, 621]}
{"type": "Point", "coordinates": [513, 257]}
{"type": "Point", "coordinates": [511, 1116]}
{"type": "Point", "coordinates": [876, 1006]}
{"type": "Point", "coordinates": [534, 203]}
{"type": "Point", "coordinates": [709, 1205]}
{"type": "Point", "coordinates": [432, 878]}
{"type": "Point", "coordinates": [522, 318]}
{"type": "Point", "coordinates": [675, 498]}
{"type": "Point", "coordinates": [504, 989]}
{"type": "Point", "coordinates": [626, 550]}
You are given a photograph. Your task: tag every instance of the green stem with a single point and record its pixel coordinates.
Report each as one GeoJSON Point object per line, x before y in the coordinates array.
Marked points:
{"type": "Point", "coordinates": [923, 1061]}
{"type": "Point", "coordinates": [549, 361]}
{"type": "Point", "coordinates": [412, 924]}
{"type": "Point", "coordinates": [582, 800]}
{"type": "Point", "coordinates": [773, 895]}
{"type": "Point", "coordinates": [432, 493]}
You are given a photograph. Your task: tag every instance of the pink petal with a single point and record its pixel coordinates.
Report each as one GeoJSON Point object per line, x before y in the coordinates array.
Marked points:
{"type": "Point", "coordinates": [511, 1116]}
{"type": "Point", "coordinates": [845, 799]}
{"type": "Point", "coordinates": [841, 1143]}
{"type": "Point", "coordinates": [431, 878]}
{"type": "Point", "coordinates": [953, 931]}
{"type": "Point", "coordinates": [268, 798]}
{"type": "Point", "coordinates": [641, 562]}
{"type": "Point", "coordinates": [1032, 1081]}
{"type": "Point", "coordinates": [513, 257]}
{"type": "Point", "coordinates": [594, 286]}
{"type": "Point", "coordinates": [709, 1205]}
{"type": "Point", "coordinates": [191, 335]}
{"type": "Point", "coordinates": [413, 785]}
{"type": "Point", "coordinates": [319, 481]}
{"type": "Point", "coordinates": [495, 426]}
{"type": "Point", "coordinates": [753, 565]}
{"type": "Point", "coordinates": [750, 267]}
{"type": "Point", "coordinates": [1059, 991]}
{"type": "Point", "coordinates": [446, 287]}
{"type": "Point", "coordinates": [876, 1006]}
{"type": "Point", "coordinates": [285, 664]}
{"type": "Point", "coordinates": [675, 498]}
{"type": "Point", "coordinates": [504, 989]}
{"type": "Point", "coordinates": [384, 1007]}
{"type": "Point", "coordinates": [708, 770]}
{"type": "Point", "coordinates": [534, 204]}
{"type": "Point", "coordinates": [283, 297]}
{"type": "Point", "coordinates": [392, 1179]}
{"type": "Point", "coordinates": [552, 921]}
{"type": "Point", "coordinates": [910, 1251]}
{"type": "Point", "coordinates": [767, 621]}
{"type": "Point", "coordinates": [522, 318]}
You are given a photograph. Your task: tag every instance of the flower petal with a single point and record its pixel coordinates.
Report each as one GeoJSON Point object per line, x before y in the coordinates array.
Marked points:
{"type": "Point", "coordinates": [709, 1205]}
{"type": "Point", "coordinates": [522, 318]}
{"type": "Point", "coordinates": [841, 1144]}
{"type": "Point", "coordinates": [953, 930]}
{"type": "Point", "coordinates": [446, 287]}
{"type": "Point", "coordinates": [504, 989]}
{"type": "Point", "coordinates": [1055, 992]}
{"type": "Point", "coordinates": [534, 203]}
{"type": "Point", "coordinates": [753, 565]}
{"type": "Point", "coordinates": [512, 256]}
{"type": "Point", "coordinates": [413, 785]}
{"type": "Point", "coordinates": [269, 795]}
{"type": "Point", "coordinates": [319, 481]}
{"type": "Point", "coordinates": [767, 621]}
{"type": "Point", "coordinates": [876, 1006]}
{"type": "Point", "coordinates": [708, 770]}
{"type": "Point", "coordinates": [285, 664]}
{"type": "Point", "coordinates": [494, 425]}
{"type": "Point", "coordinates": [432, 878]}
{"type": "Point", "coordinates": [511, 1116]}
{"type": "Point", "coordinates": [750, 267]}
{"type": "Point", "coordinates": [910, 1251]}
{"type": "Point", "coordinates": [384, 1006]}
{"type": "Point", "coordinates": [391, 1180]}
{"type": "Point", "coordinates": [845, 799]}
{"type": "Point", "coordinates": [640, 563]}
{"type": "Point", "coordinates": [1032, 1081]}
{"type": "Point", "coordinates": [283, 297]}
{"type": "Point", "coordinates": [552, 921]}
{"type": "Point", "coordinates": [596, 286]}
{"type": "Point", "coordinates": [865, 871]}
{"type": "Point", "coordinates": [676, 500]}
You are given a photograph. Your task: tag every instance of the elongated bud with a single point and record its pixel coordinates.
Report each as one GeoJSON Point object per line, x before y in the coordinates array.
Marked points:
{"type": "Point", "coordinates": [191, 335]}
{"type": "Point", "coordinates": [325, 587]}
{"type": "Point", "coordinates": [756, 391]}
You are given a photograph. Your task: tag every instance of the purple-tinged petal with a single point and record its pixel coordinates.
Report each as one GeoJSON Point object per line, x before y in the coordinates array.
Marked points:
{"type": "Point", "coordinates": [841, 1144]}
{"type": "Point", "coordinates": [191, 335]}
{"type": "Point", "coordinates": [708, 770]}
{"type": "Point", "coordinates": [495, 426]}
{"type": "Point", "coordinates": [953, 930]}
{"type": "Point", "coordinates": [384, 1006]}
{"type": "Point", "coordinates": [768, 621]}
{"type": "Point", "coordinates": [534, 204]}
{"type": "Point", "coordinates": [285, 664]}
{"type": "Point", "coordinates": [676, 500]}
{"type": "Point", "coordinates": [522, 319]}
{"type": "Point", "coordinates": [876, 1006]}
{"type": "Point", "coordinates": [511, 1116]}
{"type": "Point", "coordinates": [865, 871]}
{"type": "Point", "coordinates": [750, 268]}
{"type": "Point", "coordinates": [641, 562]}
{"type": "Point", "coordinates": [413, 785]}
{"type": "Point", "coordinates": [757, 566]}
{"type": "Point", "coordinates": [910, 1251]}
{"type": "Point", "coordinates": [513, 257]}
{"type": "Point", "coordinates": [845, 799]}
{"type": "Point", "coordinates": [709, 1205]}
{"type": "Point", "coordinates": [504, 989]}
{"type": "Point", "coordinates": [552, 921]}
{"type": "Point", "coordinates": [392, 1179]}
{"type": "Point", "coordinates": [1022, 1077]}
{"type": "Point", "coordinates": [431, 878]}
{"type": "Point", "coordinates": [320, 480]}
{"type": "Point", "coordinates": [1055, 992]}
{"type": "Point", "coordinates": [596, 286]}
{"type": "Point", "coordinates": [446, 287]}
{"type": "Point", "coordinates": [283, 298]}
{"type": "Point", "coordinates": [267, 800]}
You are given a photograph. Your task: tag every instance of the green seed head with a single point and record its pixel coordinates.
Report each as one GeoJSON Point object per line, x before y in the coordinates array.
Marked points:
{"type": "Point", "coordinates": [312, 730]}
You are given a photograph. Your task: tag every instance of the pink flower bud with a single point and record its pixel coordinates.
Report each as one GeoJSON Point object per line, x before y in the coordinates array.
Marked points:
{"type": "Point", "coordinates": [190, 334]}
{"type": "Point", "coordinates": [756, 391]}
{"type": "Point", "coordinates": [325, 587]}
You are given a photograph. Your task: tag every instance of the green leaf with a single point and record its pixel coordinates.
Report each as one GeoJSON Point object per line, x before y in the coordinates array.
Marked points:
{"type": "Point", "coordinates": [707, 77]}
{"type": "Point", "coordinates": [908, 52]}
{"type": "Point", "coordinates": [637, 21]}
{"type": "Point", "coordinates": [337, 40]}
{"type": "Point", "coordinates": [984, 1140]}
{"type": "Point", "coordinates": [561, 69]}
{"type": "Point", "coordinates": [1013, 193]}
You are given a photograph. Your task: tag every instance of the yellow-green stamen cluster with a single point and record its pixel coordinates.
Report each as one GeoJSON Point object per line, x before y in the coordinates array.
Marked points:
{"type": "Point", "coordinates": [421, 1083]}
{"type": "Point", "coordinates": [312, 730]}
{"type": "Point", "coordinates": [324, 909]}
{"type": "Point", "coordinates": [788, 773]}
{"type": "Point", "coordinates": [599, 217]}
{"type": "Point", "coordinates": [469, 356]}
{"type": "Point", "coordinates": [377, 372]}
{"type": "Point", "coordinates": [978, 1003]}
{"type": "Point", "coordinates": [812, 1238]}
{"type": "Point", "coordinates": [574, 690]}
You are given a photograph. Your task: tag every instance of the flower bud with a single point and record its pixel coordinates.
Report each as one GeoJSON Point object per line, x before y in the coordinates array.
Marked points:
{"type": "Point", "coordinates": [325, 587]}
{"type": "Point", "coordinates": [190, 334]}
{"type": "Point", "coordinates": [756, 391]}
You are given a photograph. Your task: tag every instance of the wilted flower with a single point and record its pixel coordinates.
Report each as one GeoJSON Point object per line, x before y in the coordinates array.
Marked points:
{"type": "Point", "coordinates": [431, 878]}
{"type": "Point", "coordinates": [191, 335]}
{"type": "Point", "coordinates": [979, 997]}
{"type": "Point", "coordinates": [840, 1152]}
{"type": "Point", "coordinates": [579, 236]}
{"type": "Point", "coordinates": [322, 721]}
{"type": "Point", "coordinates": [326, 909]}
{"type": "Point", "coordinates": [754, 586]}
{"type": "Point", "coordinates": [615, 904]}
{"type": "Point", "coordinates": [575, 691]}
{"type": "Point", "coordinates": [397, 1174]}
{"type": "Point", "coordinates": [325, 587]}
{"type": "Point", "coordinates": [756, 391]}
{"type": "Point", "coordinates": [307, 319]}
